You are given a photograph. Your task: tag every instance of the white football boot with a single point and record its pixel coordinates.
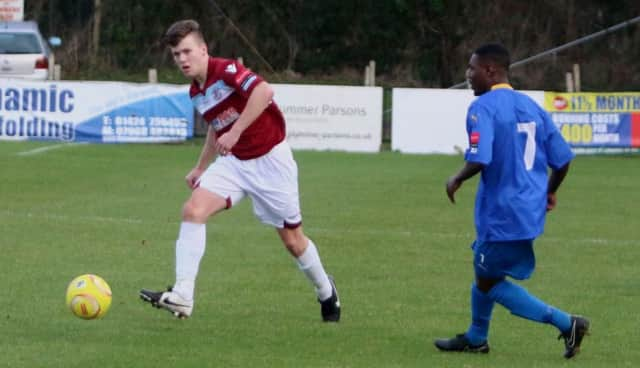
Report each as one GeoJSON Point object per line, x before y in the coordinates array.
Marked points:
{"type": "Point", "coordinates": [168, 300]}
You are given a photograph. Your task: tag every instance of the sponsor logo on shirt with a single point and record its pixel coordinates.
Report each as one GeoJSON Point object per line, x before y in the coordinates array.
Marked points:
{"type": "Point", "coordinates": [231, 69]}
{"type": "Point", "coordinates": [225, 118]}
{"type": "Point", "coordinates": [213, 95]}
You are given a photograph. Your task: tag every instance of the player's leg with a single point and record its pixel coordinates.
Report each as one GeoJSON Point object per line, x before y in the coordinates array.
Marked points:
{"type": "Point", "coordinates": [517, 259]}
{"type": "Point", "coordinates": [481, 310]}
{"type": "Point", "coordinates": [476, 337]}
{"type": "Point", "coordinates": [288, 224]}
{"type": "Point", "coordinates": [217, 190]}
{"type": "Point", "coordinates": [308, 260]}
{"type": "Point", "coordinates": [524, 304]}
{"type": "Point", "coordinates": [494, 261]}
{"type": "Point", "coordinates": [276, 202]}
{"type": "Point", "coordinates": [191, 242]}
{"type": "Point", "coordinates": [190, 247]}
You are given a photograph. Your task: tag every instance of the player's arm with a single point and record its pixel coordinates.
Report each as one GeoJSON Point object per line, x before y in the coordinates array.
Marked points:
{"type": "Point", "coordinates": [555, 179]}
{"type": "Point", "coordinates": [479, 153]}
{"type": "Point", "coordinates": [258, 101]}
{"type": "Point", "coordinates": [206, 156]}
{"type": "Point", "coordinates": [559, 156]}
{"type": "Point", "coordinates": [469, 170]}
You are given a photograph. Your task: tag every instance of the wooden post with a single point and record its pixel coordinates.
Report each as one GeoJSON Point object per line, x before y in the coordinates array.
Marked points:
{"type": "Point", "coordinates": [153, 75]}
{"type": "Point", "coordinates": [372, 72]}
{"type": "Point", "coordinates": [57, 72]}
{"type": "Point", "coordinates": [576, 77]}
{"type": "Point", "coordinates": [240, 60]}
{"type": "Point", "coordinates": [52, 63]}
{"type": "Point", "coordinates": [569, 82]}
{"type": "Point", "coordinates": [367, 76]}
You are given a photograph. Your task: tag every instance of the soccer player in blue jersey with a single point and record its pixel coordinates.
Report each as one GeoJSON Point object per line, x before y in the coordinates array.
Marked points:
{"type": "Point", "coordinates": [512, 143]}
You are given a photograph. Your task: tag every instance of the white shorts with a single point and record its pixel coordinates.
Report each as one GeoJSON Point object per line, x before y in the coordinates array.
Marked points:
{"type": "Point", "coordinates": [271, 181]}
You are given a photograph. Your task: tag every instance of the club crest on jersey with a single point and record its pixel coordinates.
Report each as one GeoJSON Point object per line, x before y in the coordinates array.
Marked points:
{"type": "Point", "coordinates": [224, 119]}
{"type": "Point", "coordinates": [231, 69]}
{"type": "Point", "coordinates": [214, 94]}
{"type": "Point", "coordinates": [474, 139]}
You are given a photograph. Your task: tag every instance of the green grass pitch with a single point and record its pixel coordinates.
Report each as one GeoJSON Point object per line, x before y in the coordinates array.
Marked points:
{"type": "Point", "coordinates": [398, 250]}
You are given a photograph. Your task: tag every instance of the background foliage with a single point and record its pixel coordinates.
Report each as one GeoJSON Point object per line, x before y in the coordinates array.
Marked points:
{"type": "Point", "coordinates": [422, 43]}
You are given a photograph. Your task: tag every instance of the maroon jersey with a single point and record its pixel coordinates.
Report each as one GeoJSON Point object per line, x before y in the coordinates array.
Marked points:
{"type": "Point", "coordinates": [222, 99]}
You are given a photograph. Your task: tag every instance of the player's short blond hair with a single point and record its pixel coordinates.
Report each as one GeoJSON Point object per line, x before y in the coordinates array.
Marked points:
{"type": "Point", "coordinates": [181, 29]}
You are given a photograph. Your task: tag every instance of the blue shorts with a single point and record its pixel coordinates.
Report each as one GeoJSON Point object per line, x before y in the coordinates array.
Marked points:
{"type": "Point", "coordinates": [495, 260]}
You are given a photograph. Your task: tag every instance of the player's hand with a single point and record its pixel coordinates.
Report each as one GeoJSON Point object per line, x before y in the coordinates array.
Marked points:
{"type": "Point", "coordinates": [453, 184]}
{"type": "Point", "coordinates": [551, 201]}
{"type": "Point", "coordinates": [193, 177]}
{"type": "Point", "coordinates": [225, 142]}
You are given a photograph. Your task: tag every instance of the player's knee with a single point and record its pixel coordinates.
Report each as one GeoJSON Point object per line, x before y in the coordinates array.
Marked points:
{"type": "Point", "coordinates": [293, 247]}
{"type": "Point", "coordinates": [485, 284]}
{"type": "Point", "coordinates": [191, 212]}
{"type": "Point", "coordinates": [296, 244]}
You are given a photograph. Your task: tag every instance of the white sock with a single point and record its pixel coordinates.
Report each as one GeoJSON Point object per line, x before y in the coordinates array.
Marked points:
{"type": "Point", "coordinates": [309, 263]}
{"type": "Point", "coordinates": [189, 251]}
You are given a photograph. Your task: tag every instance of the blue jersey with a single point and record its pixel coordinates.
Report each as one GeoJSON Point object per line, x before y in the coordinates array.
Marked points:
{"type": "Point", "coordinates": [517, 142]}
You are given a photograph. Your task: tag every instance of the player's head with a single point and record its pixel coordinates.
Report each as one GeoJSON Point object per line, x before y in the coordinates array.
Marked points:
{"type": "Point", "coordinates": [188, 48]}
{"type": "Point", "coordinates": [489, 65]}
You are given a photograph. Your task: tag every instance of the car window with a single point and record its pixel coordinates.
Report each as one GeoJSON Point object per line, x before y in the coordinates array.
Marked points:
{"type": "Point", "coordinates": [19, 43]}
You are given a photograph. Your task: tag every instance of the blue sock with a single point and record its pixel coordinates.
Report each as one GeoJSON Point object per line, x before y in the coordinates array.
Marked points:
{"type": "Point", "coordinates": [481, 308]}
{"type": "Point", "coordinates": [519, 302]}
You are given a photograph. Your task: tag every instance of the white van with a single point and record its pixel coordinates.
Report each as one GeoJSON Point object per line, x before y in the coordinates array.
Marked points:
{"type": "Point", "coordinates": [23, 51]}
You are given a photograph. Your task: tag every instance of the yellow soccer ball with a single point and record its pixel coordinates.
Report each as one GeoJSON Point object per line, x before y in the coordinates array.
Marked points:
{"type": "Point", "coordinates": [88, 296]}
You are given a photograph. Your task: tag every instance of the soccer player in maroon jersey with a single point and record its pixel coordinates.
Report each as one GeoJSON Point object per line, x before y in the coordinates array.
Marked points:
{"type": "Point", "coordinates": [246, 131]}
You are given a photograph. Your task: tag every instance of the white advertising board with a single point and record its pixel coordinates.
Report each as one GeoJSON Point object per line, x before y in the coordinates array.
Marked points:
{"type": "Point", "coordinates": [340, 118]}
{"type": "Point", "coordinates": [433, 120]}
{"type": "Point", "coordinates": [99, 112]}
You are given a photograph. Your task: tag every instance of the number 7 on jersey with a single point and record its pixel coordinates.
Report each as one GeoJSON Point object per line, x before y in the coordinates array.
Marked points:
{"type": "Point", "coordinates": [530, 146]}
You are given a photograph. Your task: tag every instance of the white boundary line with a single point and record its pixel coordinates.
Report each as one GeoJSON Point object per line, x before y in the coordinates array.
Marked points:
{"type": "Point", "coordinates": [132, 220]}
{"type": "Point", "coordinates": [451, 235]}
{"type": "Point", "coordinates": [39, 150]}
{"type": "Point", "coordinates": [66, 218]}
